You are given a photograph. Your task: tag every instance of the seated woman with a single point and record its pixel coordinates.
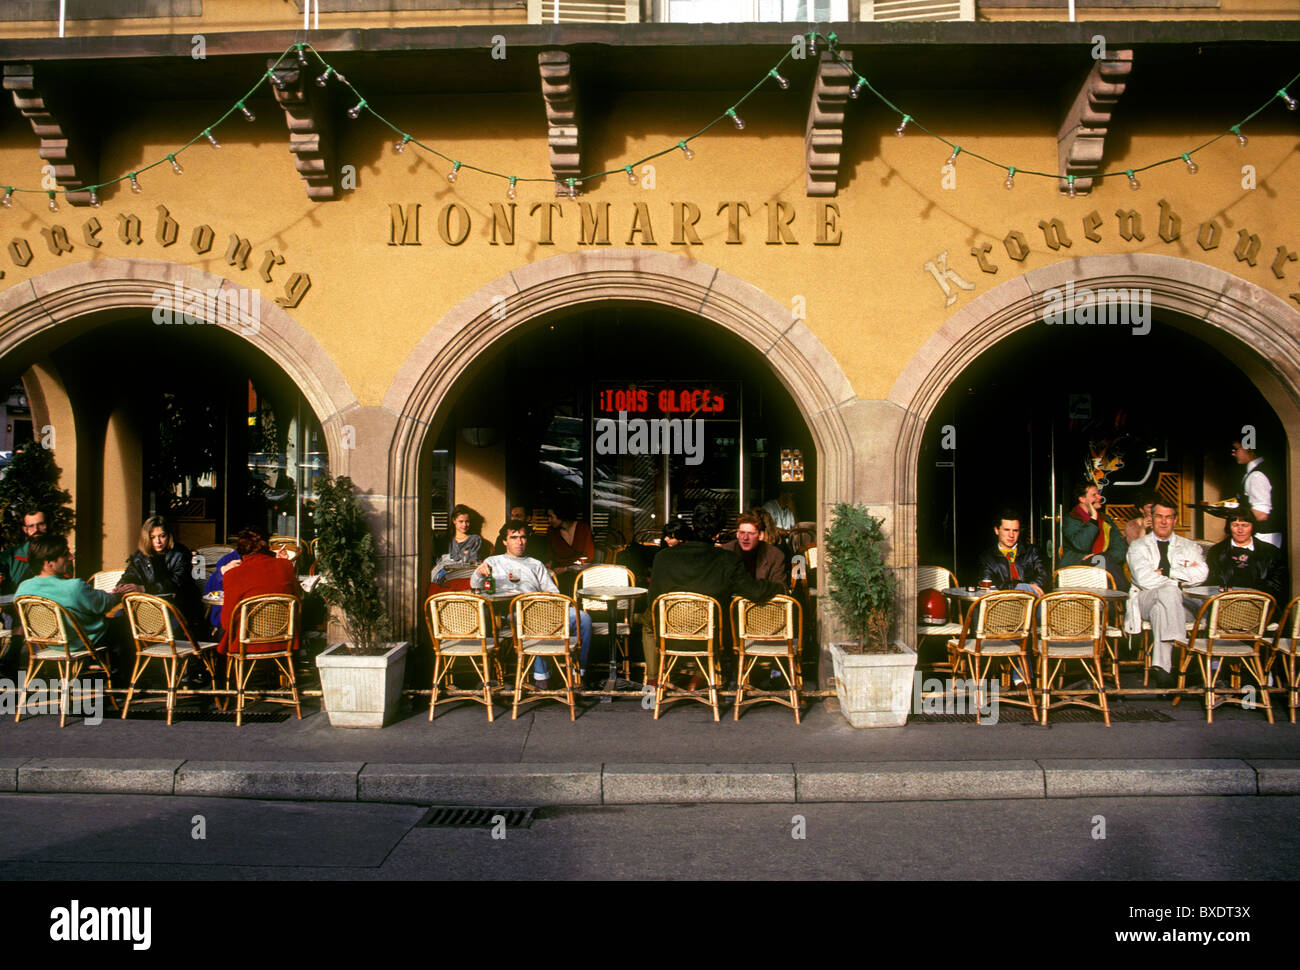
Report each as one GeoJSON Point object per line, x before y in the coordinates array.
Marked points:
{"type": "Point", "coordinates": [162, 566]}
{"type": "Point", "coordinates": [572, 546]}
{"type": "Point", "coordinates": [1242, 561]}
{"type": "Point", "coordinates": [461, 550]}
{"type": "Point", "coordinates": [257, 573]}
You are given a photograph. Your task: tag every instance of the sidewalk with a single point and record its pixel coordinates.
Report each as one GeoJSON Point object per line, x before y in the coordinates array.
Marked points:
{"type": "Point", "coordinates": [617, 754]}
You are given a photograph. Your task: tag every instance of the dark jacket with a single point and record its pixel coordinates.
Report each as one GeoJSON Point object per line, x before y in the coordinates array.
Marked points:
{"type": "Point", "coordinates": [698, 567]}
{"type": "Point", "coordinates": [1262, 569]}
{"type": "Point", "coordinates": [993, 565]}
{"type": "Point", "coordinates": [169, 572]}
{"type": "Point", "coordinates": [1080, 534]}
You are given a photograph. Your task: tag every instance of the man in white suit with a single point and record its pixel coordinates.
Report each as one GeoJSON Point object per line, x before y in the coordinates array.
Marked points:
{"type": "Point", "coordinates": [1161, 564]}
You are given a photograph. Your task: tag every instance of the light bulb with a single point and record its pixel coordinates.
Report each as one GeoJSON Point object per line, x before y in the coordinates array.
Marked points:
{"type": "Point", "coordinates": [573, 189]}
{"type": "Point", "coordinates": [212, 139]}
{"type": "Point", "coordinates": [1241, 139]}
{"type": "Point", "coordinates": [1069, 186]}
{"type": "Point", "coordinates": [1191, 165]}
{"type": "Point", "coordinates": [857, 88]}
{"type": "Point", "coordinates": [455, 169]}
{"type": "Point", "coordinates": [1010, 182]}
{"type": "Point", "coordinates": [510, 189]}
{"type": "Point", "coordinates": [354, 112]}
{"type": "Point", "coordinates": [400, 146]}
{"type": "Point", "coordinates": [8, 200]}
{"type": "Point", "coordinates": [94, 198]}
{"type": "Point", "coordinates": [54, 206]}
{"type": "Point", "coordinates": [176, 166]}
{"type": "Point", "coordinates": [135, 186]}
{"type": "Point", "coordinates": [782, 82]}
{"type": "Point", "coordinates": [324, 79]}
{"type": "Point", "coordinates": [952, 159]}
{"type": "Point", "coordinates": [812, 43]}
{"type": "Point", "coordinates": [1133, 182]}
{"type": "Point", "coordinates": [276, 80]}
{"type": "Point", "coordinates": [686, 150]}
{"type": "Point", "coordinates": [1290, 101]}
{"type": "Point", "coordinates": [903, 127]}
{"type": "Point", "coordinates": [739, 121]}
{"type": "Point", "coordinates": [302, 56]}
{"type": "Point", "coordinates": [248, 113]}
{"type": "Point", "coordinates": [631, 175]}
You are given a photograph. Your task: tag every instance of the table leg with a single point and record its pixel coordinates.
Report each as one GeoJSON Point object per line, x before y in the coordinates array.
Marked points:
{"type": "Point", "coordinates": [611, 619]}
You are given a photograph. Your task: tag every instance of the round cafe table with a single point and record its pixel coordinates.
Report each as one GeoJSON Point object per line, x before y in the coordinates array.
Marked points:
{"type": "Point", "coordinates": [613, 597]}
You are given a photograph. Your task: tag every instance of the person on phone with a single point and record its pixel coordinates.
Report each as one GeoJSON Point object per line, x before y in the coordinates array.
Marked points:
{"type": "Point", "coordinates": [1091, 538]}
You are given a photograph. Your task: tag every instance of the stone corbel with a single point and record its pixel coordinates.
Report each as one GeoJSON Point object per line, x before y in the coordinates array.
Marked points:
{"type": "Point", "coordinates": [560, 98]}
{"type": "Point", "coordinates": [311, 128]}
{"type": "Point", "coordinates": [824, 135]}
{"type": "Point", "coordinates": [1081, 142]}
{"type": "Point", "coordinates": [63, 142]}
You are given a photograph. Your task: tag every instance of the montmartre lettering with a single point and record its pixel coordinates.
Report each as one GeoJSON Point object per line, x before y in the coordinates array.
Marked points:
{"type": "Point", "coordinates": [94, 235]}
{"type": "Point", "coordinates": [1249, 249]}
{"type": "Point", "coordinates": [590, 223]}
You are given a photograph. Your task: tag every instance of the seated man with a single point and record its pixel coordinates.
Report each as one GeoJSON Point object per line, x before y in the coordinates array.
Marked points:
{"type": "Point", "coordinates": [536, 547]}
{"type": "Point", "coordinates": [15, 562]}
{"type": "Point", "coordinates": [1140, 525]}
{"type": "Point", "coordinates": [1009, 564]}
{"type": "Point", "coordinates": [1091, 538]}
{"type": "Point", "coordinates": [696, 566]}
{"type": "Point", "coordinates": [1245, 562]}
{"type": "Point", "coordinates": [1161, 564]}
{"type": "Point", "coordinates": [514, 572]}
{"type": "Point", "coordinates": [762, 559]}
{"type": "Point", "coordinates": [86, 604]}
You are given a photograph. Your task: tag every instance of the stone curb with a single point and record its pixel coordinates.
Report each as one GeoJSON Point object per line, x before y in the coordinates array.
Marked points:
{"type": "Point", "coordinates": [626, 784]}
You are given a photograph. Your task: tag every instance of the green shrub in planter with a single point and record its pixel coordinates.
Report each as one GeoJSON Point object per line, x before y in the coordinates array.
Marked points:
{"type": "Point", "coordinates": [862, 587]}
{"type": "Point", "coordinates": [349, 565]}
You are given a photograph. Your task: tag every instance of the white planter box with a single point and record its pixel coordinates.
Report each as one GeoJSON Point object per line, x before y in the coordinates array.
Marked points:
{"type": "Point", "coordinates": [361, 691]}
{"type": "Point", "coordinates": [874, 689]}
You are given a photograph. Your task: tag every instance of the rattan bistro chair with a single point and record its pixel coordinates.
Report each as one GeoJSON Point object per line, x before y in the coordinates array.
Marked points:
{"type": "Point", "coordinates": [1228, 629]}
{"type": "Point", "coordinates": [211, 555]}
{"type": "Point", "coordinates": [155, 625]}
{"type": "Point", "coordinates": [608, 575]}
{"type": "Point", "coordinates": [1070, 627]}
{"type": "Point", "coordinates": [1094, 577]}
{"type": "Point", "coordinates": [541, 628]}
{"type": "Point", "coordinates": [997, 628]}
{"type": "Point", "coordinates": [106, 580]}
{"type": "Point", "coordinates": [768, 631]}
{"type": "Point", "coordinates": [693, 625]}
{"type": "Point", "coordinates": [1283, 646]}
{"type": "Point", "coordinates": [462, 626]}
{"type": "Point", "coordinates": [264, 628]}
{"type": "Point", "coordinates": [938, 578]}
{"type": "Point", "coordinates": [54, 636]}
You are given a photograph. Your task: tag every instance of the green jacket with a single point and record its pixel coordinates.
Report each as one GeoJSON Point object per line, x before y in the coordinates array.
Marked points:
{"type": "Point", "coordinates": [1081, 533]}
{"type": "Point", "coordinates": [15, 567]}
{"type": "Point", "coordinates": [78, 597]}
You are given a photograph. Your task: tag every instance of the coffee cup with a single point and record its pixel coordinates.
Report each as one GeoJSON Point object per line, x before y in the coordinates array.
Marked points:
{"type": "Point", "coordinates": [986, 584]}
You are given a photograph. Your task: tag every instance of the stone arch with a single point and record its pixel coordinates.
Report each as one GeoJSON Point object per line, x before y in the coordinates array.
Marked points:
{"type": "Point", "coordinates": [1254, 329]}
{"type": "Point", "coordinates": [812, 376]}
{"type": "Point", "coordinates": [37, 306]}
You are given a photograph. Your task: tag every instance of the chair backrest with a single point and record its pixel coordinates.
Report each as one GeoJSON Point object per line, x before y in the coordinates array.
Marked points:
{"type": "Point", "coordinates": [935, 577]}
{"type": "Point", "coordinates": [47, 624]}
{"type": "Point", "coordinates": [271, 618]}
{"type": "Point", "coordinates": [107, 580]}
{"type": "Point", "coordinates": [458, 616]}
{"type": "Point", "coordinates": [1291, 614]}
{"type": "Point", "coordinates": [1006, 615]}
{"type": "Point", "coordinates": [687, 616]}
{"type": "Point", "coordinates": [780, 618]}
{"type": "Point", "coordinates": [288, 544]}
{"type": "Point", "coordinates": [153, 620]}
{"type": "Point", "coordinates": [540, 616]}
{"type": "Point", "coordinates": [606, 575]}
{"type": "Point", "coordinates": [1071, 616]}
{"type": "Point", "coordinates": [1236, 615]}
{"type": "Point", "coordinates": [213, 555]}
{"type": "Point", "coordinates": [1086, 577]}
{"type": "Point", "coordinates": [648, 537]}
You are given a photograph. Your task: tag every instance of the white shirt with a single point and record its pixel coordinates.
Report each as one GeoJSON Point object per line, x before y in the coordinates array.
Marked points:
{"type": "Point", "coordinates": [783, 517]}
{"type": "Point", "coordinates": [531, 575]}
{"type": "Point", "coordinates": [1259, 490]}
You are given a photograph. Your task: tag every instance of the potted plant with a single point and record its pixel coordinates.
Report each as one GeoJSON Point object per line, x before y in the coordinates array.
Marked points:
{"type": "Point", "coordinates": [361, 678]}
{"type": "Point", "coordinates": [873, 677]}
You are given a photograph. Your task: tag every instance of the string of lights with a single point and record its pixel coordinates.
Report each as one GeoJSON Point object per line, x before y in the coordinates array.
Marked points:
{"type": "Point", "coordinates": [859, 84]}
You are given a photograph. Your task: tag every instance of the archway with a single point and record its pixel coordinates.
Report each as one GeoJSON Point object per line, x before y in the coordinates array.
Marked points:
{"type": "Point", "coordinates": [1250, 327]}
{"type": "Point", "coordinates": [425, 381]}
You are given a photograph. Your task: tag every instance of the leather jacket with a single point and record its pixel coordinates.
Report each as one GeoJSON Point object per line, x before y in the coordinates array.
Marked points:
{"type": "Point", "coordinates": [993, 565]}
{"type": "Point", "coordinates": [1262, 569]}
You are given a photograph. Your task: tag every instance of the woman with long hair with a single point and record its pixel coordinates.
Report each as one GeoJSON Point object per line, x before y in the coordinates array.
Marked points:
{"type": "Point", "coordinates": [162, 566]}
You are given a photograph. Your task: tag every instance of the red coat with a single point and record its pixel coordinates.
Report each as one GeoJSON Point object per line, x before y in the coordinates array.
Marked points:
{"type": "Point", "coordinates": [255, 575]}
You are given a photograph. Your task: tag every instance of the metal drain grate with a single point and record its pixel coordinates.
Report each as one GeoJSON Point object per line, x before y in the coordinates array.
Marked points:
{"type": "Point", "coordinates": [215, 717]}
{"type": "Point", "coordinates": [474, 817]}
{"type": "Point", "coordinates": [1019, 716]}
